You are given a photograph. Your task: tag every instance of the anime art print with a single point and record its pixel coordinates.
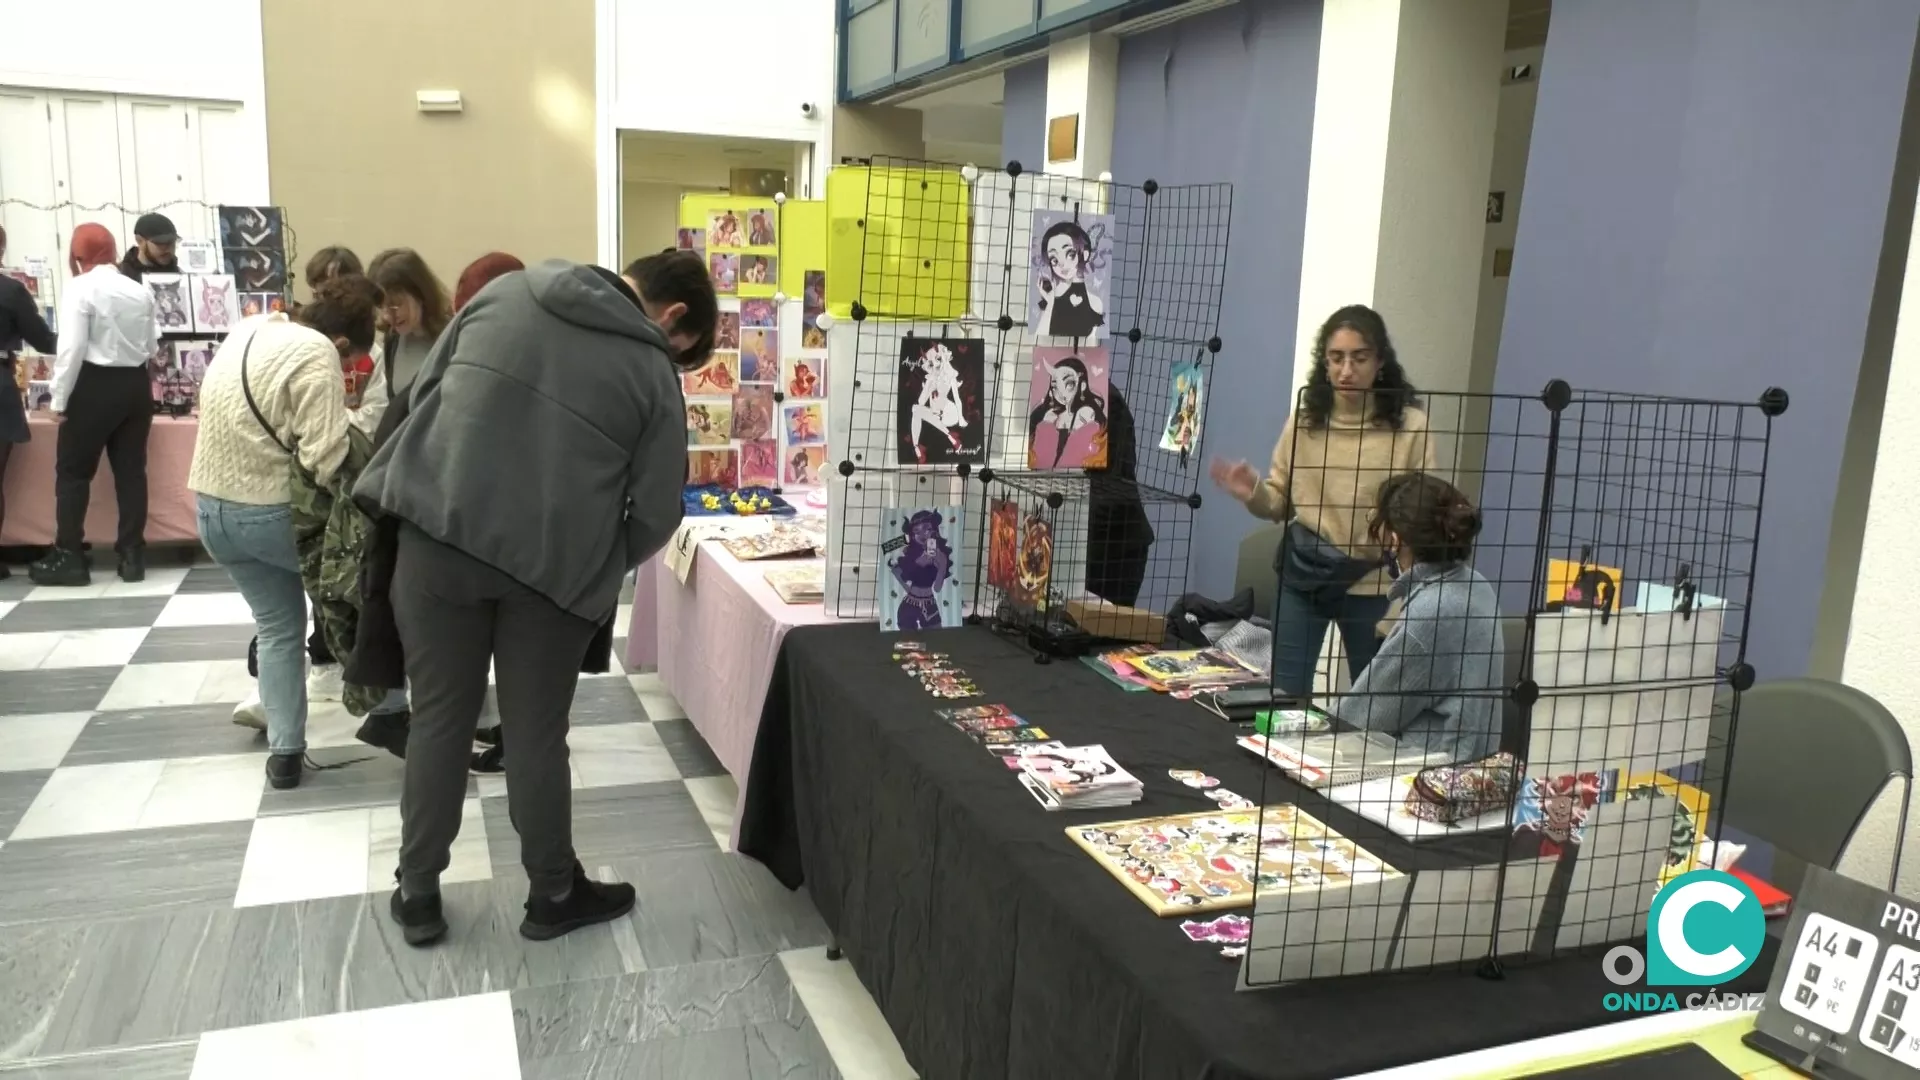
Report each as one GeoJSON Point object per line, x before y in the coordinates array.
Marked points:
{"type": "Point", "coordinates": [709, 423]}
{"type": "Point", "coordinates": [723, 230]}
{"type": "Point", "coordinates": [753, 413]}
{"type": "Point", "coordinates": [263, 270]}
{"type": "Point", "coordinates": [762, 270]}
{"type": "Point", "coordinates": [691, 240]}
{"type": "Point", "coordinates": [804, 377]}
{"type": "Point", "coordinates": [252, 227]}
{"type": "Point", "coordinates": [720, 467]}
{"type": "Point", "coordinates": [726, 273]}
{"type": "Point", "coordinates": [759, 314]}
{"type": "Point", "coordinates": [921, 568]}
{"type": "Point", "coordinates": [941, 406]}
{"type": "Point", "coordinates": [1189, 388]}
{"type": "Point", "coordinates": [760, 228]}
{"type": "Point", "coordinates": [1067, 409]}
{"type": "Point", "coordinates": [1020, 554]}
{"type": "Point", "coordinates": [813, 304]}
{"type": "Point", "coordinates": [726, 333]}
{"type": "Point", "coordinates": [171, 308]}
{"type": "Point", "coordinates": [805, 423]}
{"type": "Point", "coordinates": [1551, 813]}
{"type": "Point", "coordinates": [216, 306]}
{"type": "Point", "coordinates": [805, 465]}
{"type": "Point", "coordinates": [760, 463]}
{"type": "Point", "coordinates": [1072, 265]}
{"type": "Point", "coordinates": [718, 377]}
{"type": "Point", "coordinates": [759, 356]}
{"type": "Point", "coordinates": [1003, 543]}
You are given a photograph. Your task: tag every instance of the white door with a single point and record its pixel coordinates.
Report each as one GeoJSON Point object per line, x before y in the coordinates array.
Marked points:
{"type": "Point", "coordinates": [86, 167]}
{"type": "Point", "coordinates": [26, 175]}
{"type": "Point", "coordinates": [154, 176]}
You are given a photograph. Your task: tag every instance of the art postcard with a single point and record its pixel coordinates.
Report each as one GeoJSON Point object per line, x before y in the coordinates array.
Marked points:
{"type": "Point", "coordinates": [709, 423]}
{"type": "Point", "coordinates": [718, 377]}
{"type": "Point", "coordinates": [760, 228]}
{"type": "Point", "coordinates": [760, 355]}
{"type": "Point", "coordinates": [691, 240]}
{"type": "Point", "coordinates": [191, 358]}
{"type": "Point", "coordinates": [759, 314]}
{"type": "Point", "coordinates": [723, 230]}
{"type": "Point", "coordinates": [762, 271]}
{"type": "Point", "coordinates": [252, 303]}
{"type": "Point", "coordinates": [1189, 398]}
{"type": "Point", "coordinates": [805, 464]}
{"type": "Point", "coordinates": [216, 306]}
{"type": "Point", "coordinates": [804, 377]}
{"type": "Point", "coordinates": [753, 413]}
{"type": "Point", "coordinates": [1003, 543]}
{"type": "Point", "coordinates": [805, 423]}
{"type": "Point", "coordinates": [1582, 585]}
{"type": "Point", "coordinates": [1020, 554]}
{"type": "Point", "coordinates": [720, 467]}
{"type": "Point", "coordinates": [920, 571]}
{"type": "Point", "coordinates": [172, 308]}
{"type": "Point", "coordinates": [813, 296]}
{"type": "Point", "coordinates": [261, 270]}
{"type": "Point", "coordinates": [941, 406]}
{"type": "Point", "coordinates": [726, 273]}
{"type": "Point", "coordinates": [1067, 403]}
{"type": "Point", "coordinates": [760, 463]}
{"type": "Point", "coordinates": [252, 227]}
{"type": "Point", "coordinates": [726, 333]}
{"type": "Point", "coordinates": [1072, 264]}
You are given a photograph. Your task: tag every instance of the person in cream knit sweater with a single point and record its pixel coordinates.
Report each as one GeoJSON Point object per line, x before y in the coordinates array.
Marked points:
{"type": "Point", "coordinates": [1358, 423]}
{"type": "Point", "coordinates": [273, 391]}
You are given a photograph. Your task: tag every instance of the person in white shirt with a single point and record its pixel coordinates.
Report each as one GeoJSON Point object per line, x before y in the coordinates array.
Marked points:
{"type": "Point", "coordinates": [104, 401]}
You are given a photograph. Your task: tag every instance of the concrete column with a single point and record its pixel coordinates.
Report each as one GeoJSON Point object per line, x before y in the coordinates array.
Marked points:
{"type": "Point", "coordinates": [1080, 82]}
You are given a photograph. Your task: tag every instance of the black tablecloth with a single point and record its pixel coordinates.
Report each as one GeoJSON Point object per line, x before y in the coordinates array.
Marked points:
{"type": "Point", "coordinates": [995, 947]}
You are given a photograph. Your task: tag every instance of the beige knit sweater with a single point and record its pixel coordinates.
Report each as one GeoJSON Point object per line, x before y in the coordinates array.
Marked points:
{"type": "Point", "coordinates": [294, 374]}
{"type": "Point", "coordinates": [1328, 476]}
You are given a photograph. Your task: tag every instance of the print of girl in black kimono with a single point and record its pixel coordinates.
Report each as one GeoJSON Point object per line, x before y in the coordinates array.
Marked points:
{"type": "Point", "coordinates": [1070, 405]}
{"type": "Point", "coordinates": [923, 568]}
{"type": "Point", "coordinates": [1067, 307]}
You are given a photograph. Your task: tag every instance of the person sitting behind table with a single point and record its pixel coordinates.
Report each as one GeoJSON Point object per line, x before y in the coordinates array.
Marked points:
{"type": "Point", "coordinates": [1430, 684]}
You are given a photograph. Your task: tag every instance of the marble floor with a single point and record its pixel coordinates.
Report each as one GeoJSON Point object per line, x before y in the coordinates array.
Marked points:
{"type": "Point", "coordinates": [164, 915]}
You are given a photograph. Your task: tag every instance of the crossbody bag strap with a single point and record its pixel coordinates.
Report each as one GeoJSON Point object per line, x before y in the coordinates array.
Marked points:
{"type": "Point", "coordinates": [247, 389]}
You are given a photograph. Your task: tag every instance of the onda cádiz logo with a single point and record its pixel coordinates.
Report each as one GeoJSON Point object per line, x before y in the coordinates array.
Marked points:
{"type": "Point", "coordinates": [1705, 928]}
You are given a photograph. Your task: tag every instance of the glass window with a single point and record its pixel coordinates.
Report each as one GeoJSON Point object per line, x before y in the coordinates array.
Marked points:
{"type": "Point", "coordinates": [870, 47]}
{"type": "Point", "coordinates": [1050, 8]}
{"type": "Point", "coordinates": [984, 20]}
{"type": "Point", "coordinates": [923, 31]}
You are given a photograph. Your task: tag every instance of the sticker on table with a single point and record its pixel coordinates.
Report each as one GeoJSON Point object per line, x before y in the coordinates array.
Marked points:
{"type": "Point", "coordinates": [920, 568]}
{"type": "Point", "coordinates": [973, 712]}
{"type": "Point", "coordinates": [1892, 1021]}
{"type": "Point", "coordinates": [1827, 976]}
{"type": "Point", "coordinates": [1009, 736]}
{"type": "Point", "coordinates": [1228, 800]}
{"type": "Point", "coordinates": [1194, 778]}
{"type": "Point", "coordinates": [1224, 930]}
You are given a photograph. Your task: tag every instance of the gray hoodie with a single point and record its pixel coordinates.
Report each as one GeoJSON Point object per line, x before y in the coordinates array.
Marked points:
{"type": "Point", "coordinates": [546, 437]}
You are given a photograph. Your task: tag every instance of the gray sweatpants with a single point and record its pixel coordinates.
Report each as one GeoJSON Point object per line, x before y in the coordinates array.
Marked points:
{"type": "Point", "coordinates": [456, 614]}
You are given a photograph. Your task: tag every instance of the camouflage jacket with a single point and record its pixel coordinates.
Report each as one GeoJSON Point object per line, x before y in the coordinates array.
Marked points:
{"type": "Point", "coordinates": [333, 535]}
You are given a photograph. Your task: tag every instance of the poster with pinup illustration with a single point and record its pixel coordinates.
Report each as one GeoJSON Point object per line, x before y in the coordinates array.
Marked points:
{"type": "Point", "coordinates": [1072, 267]}
{"type": "Point", "coordinates": [1067, 409]}
{"type": "Point", "coordinates": [1182, 432]}
{"type": "Point", "coordinates": [920, 568]}
{"type": "Point", "coordinates": [941, 409]}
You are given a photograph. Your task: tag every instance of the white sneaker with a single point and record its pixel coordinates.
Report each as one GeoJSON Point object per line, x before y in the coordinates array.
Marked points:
{"type": "Point", "coordinates": [324, 683]}
{"type": "Point", "coordinates": [251, 713]}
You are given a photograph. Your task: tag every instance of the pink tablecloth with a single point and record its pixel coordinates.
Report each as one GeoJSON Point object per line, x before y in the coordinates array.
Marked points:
{"type": "Point", "coordinates": [170, 506]}
{"type": "Point", "coordinates": [643, 626]}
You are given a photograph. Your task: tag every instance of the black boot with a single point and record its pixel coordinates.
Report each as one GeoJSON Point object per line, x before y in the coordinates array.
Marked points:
{"type": "Point", "coordinates": [587, 902]}
{"type": "Point", "coordinates": [61, 567]}
{"type": "Point", "coordinates": [388, 731]}
{"type": "Point", "coordinates": [133, 565]}
{"type": "Point", "coordinates": [421, 920]}
{"type": "Point", "coordinates": [283, 770]}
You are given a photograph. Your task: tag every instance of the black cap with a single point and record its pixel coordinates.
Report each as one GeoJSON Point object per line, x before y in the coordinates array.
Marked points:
{"type": "Point", "coordinates": [155, 228]}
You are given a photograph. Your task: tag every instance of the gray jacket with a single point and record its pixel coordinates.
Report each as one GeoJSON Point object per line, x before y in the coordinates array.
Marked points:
{"type": "Point", "coordinates": [546, 437]}
{"type": "Point", "coordinates": [1436, 680]}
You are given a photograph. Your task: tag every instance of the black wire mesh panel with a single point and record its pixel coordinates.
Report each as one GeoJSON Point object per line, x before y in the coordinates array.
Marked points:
{"type": "Point", "coordinates": [1049, 341]}
{"type": "Point", "coordinates": [1543, 603]}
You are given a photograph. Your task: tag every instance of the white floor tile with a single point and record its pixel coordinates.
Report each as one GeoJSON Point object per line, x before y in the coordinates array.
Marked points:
{"type": "Point", "coordinates": [857, 1036]}
{"type": "Point", "coordinates": [622, 620]}
{"type": "Point", "coordinates": [716, 796]}
{"type": "Point", "coordinates": [6, 606]}
{"type": "Point", "coordinates": [491, 787]}
{"type": "Point", "coordinates": [612, 755]}
{"type": "Point", "coordinates": [649, 683]}
{"type": "Point", "coordinates": [95, 648]}
{"type": "Point", "coordinates": [38, 742]}
{"type": "Point", "coordinates": [469, 859]}
{"type": "Point", "coordinates": [108, 586]}
{"type": "Point", "coordinates": [227, 682]}
{"type": "Point", "coordinates": [86, 799]}
{"type": "Point", "coordinates": [25, 652]}
{"type": "Point", "coordinates": [468, 1037]}
{"type": "Point", "coordinates": [662, 706]}
{"type": "Point", "coordinates": [330, 725]}
{"type": "Point", "coordinates": [186, 682]}
{"type": "Point", "coordinates": [305, 857]}
{"type": "Point", "coordinates": [206, 609]}
{"type": "Point", "coordinates": [201, 791]}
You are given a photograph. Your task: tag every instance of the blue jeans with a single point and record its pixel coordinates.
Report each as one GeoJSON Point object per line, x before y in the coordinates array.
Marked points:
{"type": "Point", "coordinates": [255, 544]}
{"type": "Point", "coordinates": [1300, 621]}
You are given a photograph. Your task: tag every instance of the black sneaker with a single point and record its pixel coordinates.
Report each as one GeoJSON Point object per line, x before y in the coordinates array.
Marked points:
{"type": "Point", "coordinates": [283, 770]}
{"type": "Point", "coordinates": [588, 903]}
{"type": "Point", "coordinates": [4, 572]}
{"type": "Point", "coordinates": [61, 567]}
{"type": "Point", "coordinates": [133, 565]}
{"type": "Point", "coordinates": [388, 731]}
{"type": "Point", "coordinates": [421, 922]}
{"type": "Point", "coordinates": [489, 762]}
{"type": "Point", "coordinates": [488, 736]}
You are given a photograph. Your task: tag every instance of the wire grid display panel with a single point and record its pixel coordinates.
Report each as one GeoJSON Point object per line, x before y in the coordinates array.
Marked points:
{"type": "Point", "coordinates": [1148, 268]}
{"type": "Point", "coordinates": [1617, 546]}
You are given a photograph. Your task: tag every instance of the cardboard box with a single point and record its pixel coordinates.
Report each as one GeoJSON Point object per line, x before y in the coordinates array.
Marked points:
{"type": "Point", "coordinates": [1102, 619]}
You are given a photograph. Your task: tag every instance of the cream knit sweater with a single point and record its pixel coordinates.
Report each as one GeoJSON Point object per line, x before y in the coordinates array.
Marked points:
{"type": "Point", "coordinates": [295, 376]}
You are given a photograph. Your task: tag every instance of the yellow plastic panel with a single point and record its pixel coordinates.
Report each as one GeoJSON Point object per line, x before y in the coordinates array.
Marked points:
{"type": "Point", "coordinates": [898, 242]}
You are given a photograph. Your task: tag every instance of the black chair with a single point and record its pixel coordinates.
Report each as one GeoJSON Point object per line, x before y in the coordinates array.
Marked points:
{"type": "Point", "coordinates": [1513, 718]}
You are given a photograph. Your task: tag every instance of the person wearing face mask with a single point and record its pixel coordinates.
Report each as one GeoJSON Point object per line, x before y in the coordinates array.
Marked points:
{"type": "Point", "coordinates": [1358, 423]}
{"type": "Point", "coordinates": [152, 252]}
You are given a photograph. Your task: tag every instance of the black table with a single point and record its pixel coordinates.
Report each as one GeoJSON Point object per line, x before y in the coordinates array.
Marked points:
{"type": "Point", "coordinates": [997, 948]}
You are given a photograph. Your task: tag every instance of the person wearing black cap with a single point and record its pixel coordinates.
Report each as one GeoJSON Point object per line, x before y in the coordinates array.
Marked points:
{"type": "Point", "coordinates": [152, 250]}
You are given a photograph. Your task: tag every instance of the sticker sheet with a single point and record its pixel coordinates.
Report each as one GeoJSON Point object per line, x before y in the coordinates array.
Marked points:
{"type": "Point", "coordinates": [1067, 409]}
{"type": "Point", "coordinates": [1072, 264]}
{"type": "Point", "coordinates": [1551, 813]}
{"type": "Point", "coordinates": [941, 412]}
{"type": "Point", "coordinates": [1207, 861]}
{"type": "Point", "coordinates": [921, 568]}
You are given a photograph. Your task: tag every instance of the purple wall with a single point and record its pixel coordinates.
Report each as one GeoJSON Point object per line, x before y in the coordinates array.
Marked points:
{"type": "Point", "coordinates": [1709, 191]}
{"type": "Point", "coordinates": [1023, 115]}
{"type": "Point", "coordinates": [1229, 96]}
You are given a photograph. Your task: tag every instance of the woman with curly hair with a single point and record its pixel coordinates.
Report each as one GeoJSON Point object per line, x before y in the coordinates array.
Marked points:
{"type": "Point", "coordinates": [1358, 422]}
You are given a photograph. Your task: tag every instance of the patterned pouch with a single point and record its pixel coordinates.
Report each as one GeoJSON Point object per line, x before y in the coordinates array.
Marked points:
{"type": "Point", "coordinates": [1446, 794]}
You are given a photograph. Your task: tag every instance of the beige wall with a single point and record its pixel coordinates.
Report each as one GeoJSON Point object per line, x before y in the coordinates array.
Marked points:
{"type": "Point", "coordinates": [861, 131]}
{"type": "Point", "coordinates": [353, 161]}
{"type": "Point", "coordinates": [650, 217]}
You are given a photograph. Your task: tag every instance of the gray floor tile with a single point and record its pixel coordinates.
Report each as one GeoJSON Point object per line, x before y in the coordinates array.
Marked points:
{"type": "Point", "coordinates": [714, 905]}
{"type": "Point", "coordinates": [607, 700]}
{"type": "Point", "coordinates": [170, 644]}
{"type": "Point", "coordinates": [156, 734]}
{"type": "Point", "coordinates": [119, 874]}
{"type": "Point", "coordinates": [17, 792]}
{"type": "Point", "coordinates": [173, 1062]}
{"type": "Point", "coordinates": [54, 690]}
{"type": "Point", "coordinates": [610, 825]}
{"type": "Point", "coordinates": [18, 586]}
{"type": "Point", "coordinates": [373, 779]}
{"type": "Point", "coordinates": [36, 963]}
{"type": "Point", "coordinates": [794, 1052]}
{"type": "Point", "coordinates": [83, 614]}
{"type": "Point", "coordinates": [666, 1003]}
{"type": "Point", "coordinates": [206, 579]}
{"type": "Point", "coordinates": [691, 754]}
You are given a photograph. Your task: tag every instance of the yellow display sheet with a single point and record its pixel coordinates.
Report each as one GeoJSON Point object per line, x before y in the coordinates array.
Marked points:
{"type": "Point", "coordinates": [1565, 574]}
{"type": "Point", "coordinates": [898, 240]}
{"type": "Point", "coordinates": [740, 266]}
{"type": "Point", "coordinates": [1721, 1040]}
{"type": "Point", "coordinates": [803, 243]}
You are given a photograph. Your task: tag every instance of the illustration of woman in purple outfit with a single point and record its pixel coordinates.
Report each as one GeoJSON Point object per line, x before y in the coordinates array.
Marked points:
{"type": "Point", "coordinates": [922, 568]}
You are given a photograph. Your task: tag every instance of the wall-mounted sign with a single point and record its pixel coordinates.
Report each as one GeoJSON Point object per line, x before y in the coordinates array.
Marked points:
{"type": "Point", "coordinates": [1063, 138]}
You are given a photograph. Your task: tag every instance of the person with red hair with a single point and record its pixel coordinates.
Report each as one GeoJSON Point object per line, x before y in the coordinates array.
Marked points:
{"type": "Point", "coordinates": [104, 402]}
{"type": "Point", "coordinates": [19, 321]}
{"type": "Point", "coordinates": [481, 271]}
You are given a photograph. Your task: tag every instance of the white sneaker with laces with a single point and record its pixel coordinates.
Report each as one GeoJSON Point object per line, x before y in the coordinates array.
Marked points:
{"type": "Point", "coordinates": [324, 683]}
{"type": "Point", "coordinates": [251, 713]}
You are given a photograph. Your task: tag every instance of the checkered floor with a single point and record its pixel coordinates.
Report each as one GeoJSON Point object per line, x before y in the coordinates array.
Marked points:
{"type": "Point", "coordinates": [166, 915]}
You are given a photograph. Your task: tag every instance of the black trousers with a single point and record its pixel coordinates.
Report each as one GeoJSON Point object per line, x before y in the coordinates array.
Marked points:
{"type": "Point", "coordinates": [110, 410]}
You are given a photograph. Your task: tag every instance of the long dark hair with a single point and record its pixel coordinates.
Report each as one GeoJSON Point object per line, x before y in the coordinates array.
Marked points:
{"type": "Point", "coordinates": [1392, 393]}
{"type": "Point", "coordinates": [1430, 516]}
{"type": "Point", "coordinates": [402, 270]}
{"type": "Point", "coordinates": [1083, 398]}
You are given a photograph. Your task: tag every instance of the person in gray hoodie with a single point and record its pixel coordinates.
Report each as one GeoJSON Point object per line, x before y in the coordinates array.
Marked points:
{"type": "Point", "coordinates": [540, 459]}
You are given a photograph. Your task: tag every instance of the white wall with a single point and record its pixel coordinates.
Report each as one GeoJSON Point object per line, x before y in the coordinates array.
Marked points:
{"type": "Point", "coordinates": [1512, 137]}
{"type": "Point", "coordinates": [210, 51]}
